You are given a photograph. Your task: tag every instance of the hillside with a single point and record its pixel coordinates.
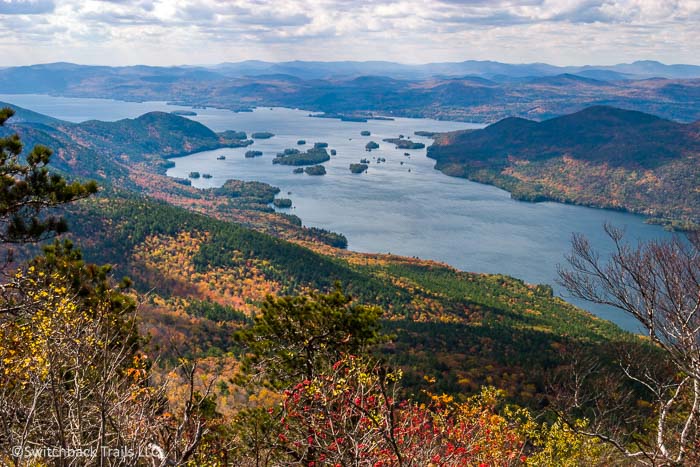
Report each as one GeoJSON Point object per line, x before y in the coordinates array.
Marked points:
{"type": "Point", "coordinates": [103, 150]}
{"type": "Point", "coordinates": [463, 329]}
{"type": "Point", "coordinates": [601, 156]}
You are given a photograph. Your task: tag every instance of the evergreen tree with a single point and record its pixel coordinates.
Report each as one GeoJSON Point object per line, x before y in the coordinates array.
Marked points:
{"type": "Point", "coordinates": [28, 190]}
{"type": "Point", "coordinates": [295, 337]}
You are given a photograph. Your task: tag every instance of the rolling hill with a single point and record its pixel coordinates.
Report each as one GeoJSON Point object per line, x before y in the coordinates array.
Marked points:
{"type": "Point", "coordinates": [102, 149]}
{"type": "Point", "coordinates": [601, 156]}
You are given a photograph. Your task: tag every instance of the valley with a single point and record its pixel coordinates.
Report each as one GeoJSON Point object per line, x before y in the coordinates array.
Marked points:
{"type": "Point", "coordinates": [421, 213]}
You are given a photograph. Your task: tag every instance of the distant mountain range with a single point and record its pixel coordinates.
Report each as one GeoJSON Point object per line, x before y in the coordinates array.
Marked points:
{"type": "Point", "coordinates": [478, 91]}
{"type": "Point", "coordinates": [490, 69]}
{"type": "Point", "coordinates": [63, 73]}
{"type": "Point", "coordinates": [601, 156]}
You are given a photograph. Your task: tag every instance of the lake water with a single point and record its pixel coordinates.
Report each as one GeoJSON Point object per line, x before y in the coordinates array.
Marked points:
{"type": "Point", "coordinates": [402, 206]}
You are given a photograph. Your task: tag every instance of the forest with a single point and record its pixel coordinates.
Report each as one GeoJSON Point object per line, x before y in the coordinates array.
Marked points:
{"type": "Point", "coordinates": [585, 158]}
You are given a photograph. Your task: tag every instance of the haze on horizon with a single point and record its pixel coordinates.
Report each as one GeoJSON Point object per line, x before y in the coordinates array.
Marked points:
{"type": "Point", "coordinates": [169, 32]}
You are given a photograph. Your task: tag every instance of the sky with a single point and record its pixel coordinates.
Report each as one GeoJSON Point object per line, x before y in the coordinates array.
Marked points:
{"type": "Point", "coordinates": [170, 32]}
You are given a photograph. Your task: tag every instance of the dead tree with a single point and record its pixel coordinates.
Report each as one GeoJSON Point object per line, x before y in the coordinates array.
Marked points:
{"type": "Point", "coordinates": [658, 283]}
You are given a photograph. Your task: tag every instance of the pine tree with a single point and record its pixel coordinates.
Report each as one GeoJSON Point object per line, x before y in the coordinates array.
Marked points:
{"type": "Point", "coordinates": [29, 191]}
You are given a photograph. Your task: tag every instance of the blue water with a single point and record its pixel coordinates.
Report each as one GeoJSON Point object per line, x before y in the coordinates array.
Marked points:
{"type": "Point", "coordinates": [408, 209]}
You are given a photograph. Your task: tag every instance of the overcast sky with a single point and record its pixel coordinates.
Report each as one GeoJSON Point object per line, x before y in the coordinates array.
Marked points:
{"type": "Point", "coordinates": [165, 32]}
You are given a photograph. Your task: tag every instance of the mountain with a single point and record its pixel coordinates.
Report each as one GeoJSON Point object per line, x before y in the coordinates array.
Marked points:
{"type": "Point", "coordinates": [484, 68]}
{"type": "Point", "coordinates": [566, 79]}
{"type": "Point", "coordinates": [469, 91]}
{"type": "Point", "coordinates": [103, 149]}
{"type": "Point", "coordinates": [601, 156]}
{"type": "Point", "coordinates": [604, 75]}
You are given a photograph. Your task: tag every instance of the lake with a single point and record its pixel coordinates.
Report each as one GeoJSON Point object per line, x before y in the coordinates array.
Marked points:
{"type": "Point", "coordinates": [402, 206]}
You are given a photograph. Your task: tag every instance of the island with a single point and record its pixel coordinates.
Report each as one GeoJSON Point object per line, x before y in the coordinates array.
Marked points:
{"type": "Point", "coordinates": [298, 170]}
{"type": "Point", "coordinates": [426, 134]}
{"type": "Point", "coordinates": [365, 133]}
{"type": "Point", "coordinates": [333, 152]}
{"type": "Point", "coordinates": [361, 117]}
{"type": "Point", "coordinates": [262, 135]}
{"type": "Point", "coordinates": [341, 117]}
{"type": "Point", "coordinates": [250, 154]}
{"type": "Point", "coordinates": [185, 113]}
{"type": "Point", "coordinates": [371, 145]}
{"type": "Point", "coordinates": [358, 168]}
{"type": "Point", "coordinates": [301, 142]}
{"type": "Point", "coordinates": [320, 145]}
{"type": "Point", "coordinates": [282, 203]}
{"type": "Point", "coordinates": [221, 158]}
{"type": "Point", "coordinates": [249, 195]}
{"type": "Point", "coordinates": [233, 134]}
{"type": "Point", "coordinates": [315, 170]}
{"type": "Point", "coordinates": [310, 157]}
{"type": "Point", "coordinates": [404, 143]}
{"type": "Point", "coordinates": [364, 161]}
{"type": "Point", "coordinates": [206, 175]}
{"type": "Point", "coordinates": [194, 175]}
{"type": "Point", "coordinates": [233, 138]}
{"type": "Point", "coordinates": [288, 152]}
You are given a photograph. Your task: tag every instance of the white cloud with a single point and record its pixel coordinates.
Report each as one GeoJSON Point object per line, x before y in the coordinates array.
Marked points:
{"type": "Point", "coordinates": [209, 31]}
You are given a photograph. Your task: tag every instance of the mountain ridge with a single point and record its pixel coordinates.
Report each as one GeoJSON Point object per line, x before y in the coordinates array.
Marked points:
{"type": "Point", "coordinates": [464, 95]}
{"type": "Point", "coordinates": [601, 156]}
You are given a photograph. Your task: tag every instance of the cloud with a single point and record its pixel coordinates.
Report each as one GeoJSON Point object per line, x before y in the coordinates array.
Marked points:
{"type": "Point", "coordinates": [208, 31]}
{"type": "Point", "coordinates": [26, 7]}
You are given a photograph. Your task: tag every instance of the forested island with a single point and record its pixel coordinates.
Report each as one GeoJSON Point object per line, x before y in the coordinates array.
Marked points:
{"type": "Point", "coordinates": [251, 154]}
{"type": "Point", "coordinates": [358, 168]}
{"type": "Point", "coordinates": [402, 143]}
{"type": "Point", "coordinates": [233, 134]}
{"type": "Point", "coordinates": [186, 113]}
{"type": "Point", "coordinates": [315, 170]}
{"type": "Point", "coordinates": [310, 157]}
{"type": "Point", "coordinates": [282, 203]}
{"type": "Point", "coordinates": [262, 135]}
{"type": "Point", "coordinates": [235, 139]}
